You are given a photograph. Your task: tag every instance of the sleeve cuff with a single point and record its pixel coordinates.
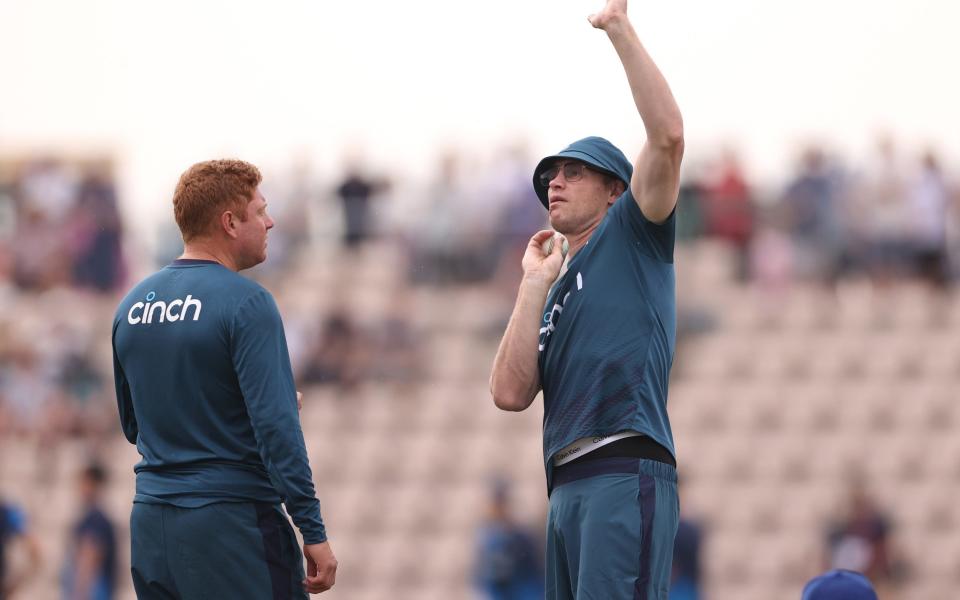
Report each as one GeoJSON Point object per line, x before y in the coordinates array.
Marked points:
{"type": "Point", "coordinates": [314, 537]}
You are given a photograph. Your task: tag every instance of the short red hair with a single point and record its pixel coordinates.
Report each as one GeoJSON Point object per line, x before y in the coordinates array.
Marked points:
{"type": "Point", "coordinates": [209, 188]}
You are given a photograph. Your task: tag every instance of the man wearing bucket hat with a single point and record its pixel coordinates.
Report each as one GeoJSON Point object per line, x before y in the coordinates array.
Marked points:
{"type": "Point", "coordinates": [598, 339]}
{"type": "Point", "coordinates": [839, 585]}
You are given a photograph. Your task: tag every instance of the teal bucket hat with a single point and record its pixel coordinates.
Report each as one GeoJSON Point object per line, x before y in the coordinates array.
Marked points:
{"type": "Point", "coordinates": [596, 152]}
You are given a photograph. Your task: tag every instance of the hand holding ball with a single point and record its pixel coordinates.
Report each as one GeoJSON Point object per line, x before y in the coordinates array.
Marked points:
{"type": "Point", "coordinates": [548, 245]}
{"type": "Point", "coordinates": [544, 257]}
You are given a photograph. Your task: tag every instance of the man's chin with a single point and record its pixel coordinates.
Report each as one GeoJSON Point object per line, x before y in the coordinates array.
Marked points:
{"type": "Point", "coordinates": [252, 262]}
{"type": "Point", "coordinates": [559, 225]}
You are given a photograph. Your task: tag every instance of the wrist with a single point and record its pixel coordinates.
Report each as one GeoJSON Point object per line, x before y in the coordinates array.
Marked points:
{"type": "Point", "coordinates": [535, 283]}
{"type": "Point", "coordinates": [314, 535]}
{"type": "Point", "coordinates": [617, 25]}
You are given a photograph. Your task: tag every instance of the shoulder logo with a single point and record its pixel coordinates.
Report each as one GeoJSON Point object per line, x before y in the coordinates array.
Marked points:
{"type": "Point", "coordinates": [145, 313]}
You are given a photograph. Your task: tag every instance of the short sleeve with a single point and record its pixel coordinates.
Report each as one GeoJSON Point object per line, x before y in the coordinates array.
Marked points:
{"type": "Point", "coordinates": [656, 240]}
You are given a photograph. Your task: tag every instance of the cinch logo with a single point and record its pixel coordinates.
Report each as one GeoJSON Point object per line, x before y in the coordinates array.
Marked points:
{"type": "Point", "coordinates": [160, 311]}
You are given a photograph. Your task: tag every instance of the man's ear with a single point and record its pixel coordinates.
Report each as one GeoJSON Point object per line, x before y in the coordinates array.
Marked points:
{"type": "Point", "coordinates": [616, 189]}
{"type": "Point", "coordinates": [228, 222]}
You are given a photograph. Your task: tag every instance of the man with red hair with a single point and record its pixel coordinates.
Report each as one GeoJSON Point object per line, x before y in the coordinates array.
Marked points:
{"type": "Point", "coordinates": [206, 392]}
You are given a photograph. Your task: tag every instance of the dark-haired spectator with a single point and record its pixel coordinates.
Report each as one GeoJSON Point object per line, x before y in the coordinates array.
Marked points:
{"type": "Point", "coordinates": [356, 193]}
{"type": "Point", "coordinates": [506, 566]}
{"type": "Point", "coordinates": [90, 570]}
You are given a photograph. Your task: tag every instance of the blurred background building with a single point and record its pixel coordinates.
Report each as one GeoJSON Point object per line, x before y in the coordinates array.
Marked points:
{"type": "Point", "coordinates": [815, 388]}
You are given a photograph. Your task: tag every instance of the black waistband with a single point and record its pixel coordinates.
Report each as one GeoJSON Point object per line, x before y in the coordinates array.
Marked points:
{"type": "Point", "coordinates": [620, 456]}
{"type": "Point", "coordinates": [638, 446]}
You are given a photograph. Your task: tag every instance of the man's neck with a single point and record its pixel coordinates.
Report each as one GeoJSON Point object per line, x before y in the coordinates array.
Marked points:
{"type": "Point", "coordinates": [580, 239]}
{"type": "Point", "coordinates": [203, 250]}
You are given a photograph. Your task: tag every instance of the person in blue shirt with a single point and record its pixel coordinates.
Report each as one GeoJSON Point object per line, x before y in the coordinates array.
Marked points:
{"type": "Point", "coordinates": [89, 573]}
{"type": "Point", "coordinates": [506, 565]}
{"type": "Point", "coordinates": [206, 392]}
{"type": "Point", "coordinates": [594, 328]}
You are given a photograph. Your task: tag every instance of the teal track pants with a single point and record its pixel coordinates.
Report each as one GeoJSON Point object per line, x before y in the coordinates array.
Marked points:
{"type": "Point", "coordinates": [236, 550]}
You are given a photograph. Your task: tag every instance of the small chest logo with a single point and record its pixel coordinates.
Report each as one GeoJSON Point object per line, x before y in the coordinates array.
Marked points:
{"type": "Point", "coordinates": [158, 311]}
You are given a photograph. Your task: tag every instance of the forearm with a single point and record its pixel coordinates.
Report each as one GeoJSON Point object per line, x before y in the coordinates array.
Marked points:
{"type": "Point", "coordinates": [515, 379]}
{"type": "Point", "coordinates": [262, 365]}
{"type": "Point", "coordinates": [651, 93]}
{"type": "Point", "coordinates": [284, 454]}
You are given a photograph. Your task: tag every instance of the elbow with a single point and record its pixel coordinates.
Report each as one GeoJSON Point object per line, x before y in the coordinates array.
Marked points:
{"type": "Point", "coordinates": [507, 400]}
{"type": "Point", "coordinates": [670, 138]}
{"type": "Point", "coordinates": [675, 140]}
{"type": "Point", "coordinates": [509, 403]}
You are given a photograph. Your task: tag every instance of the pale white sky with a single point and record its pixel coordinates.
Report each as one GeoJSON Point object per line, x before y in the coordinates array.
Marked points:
{"type": "Point", "coordinates": [164, 84]}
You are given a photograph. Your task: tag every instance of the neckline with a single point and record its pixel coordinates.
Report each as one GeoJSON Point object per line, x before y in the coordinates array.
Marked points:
{"type": "Point", "coordinates": [184, 262]}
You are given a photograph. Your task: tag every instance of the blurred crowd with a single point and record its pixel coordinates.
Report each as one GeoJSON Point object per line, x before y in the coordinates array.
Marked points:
{"type": "Point", "coordinates": [64, 262]}
{"type": "Point", "coordinates": [61, 234]}
{"type": "Point", "coordinates": [61, 226]}
{"type": "Point", "coordinates": [896, 217]}
{"type": "Point", "coordinates": [61, 258]}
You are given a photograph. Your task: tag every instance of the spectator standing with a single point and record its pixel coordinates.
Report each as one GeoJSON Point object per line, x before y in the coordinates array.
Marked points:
{"type": "Point", "coordinates": [929, 200]}
{"type": "Point", "coordinates": [729, 211]}
{"type": "Point", "coordinates": [506, 566]}
{"type": "Point", "coordinates": [860, 540]}
{"type": "Point", "coordinates": [356, 193]}
{"type": "Point", "coordinates": [89, 573]}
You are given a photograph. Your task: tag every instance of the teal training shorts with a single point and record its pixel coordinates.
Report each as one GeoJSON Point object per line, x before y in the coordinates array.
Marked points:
{"type": "Point", "coordinates": [610, 530]}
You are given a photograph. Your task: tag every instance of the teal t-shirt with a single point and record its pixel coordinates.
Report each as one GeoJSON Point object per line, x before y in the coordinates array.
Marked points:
{"type": "Point", "coordinates": [206, 392]}
{"type": "Point", "coordinates": [608, 334]}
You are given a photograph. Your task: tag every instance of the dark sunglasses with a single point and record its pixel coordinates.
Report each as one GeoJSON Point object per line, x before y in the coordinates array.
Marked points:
{"type": "Point", "coordinates": [572, 171]}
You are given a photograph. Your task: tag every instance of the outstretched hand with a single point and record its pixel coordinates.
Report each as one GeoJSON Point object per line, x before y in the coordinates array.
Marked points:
{"type": "Point", "coordinates": [612, 12]}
